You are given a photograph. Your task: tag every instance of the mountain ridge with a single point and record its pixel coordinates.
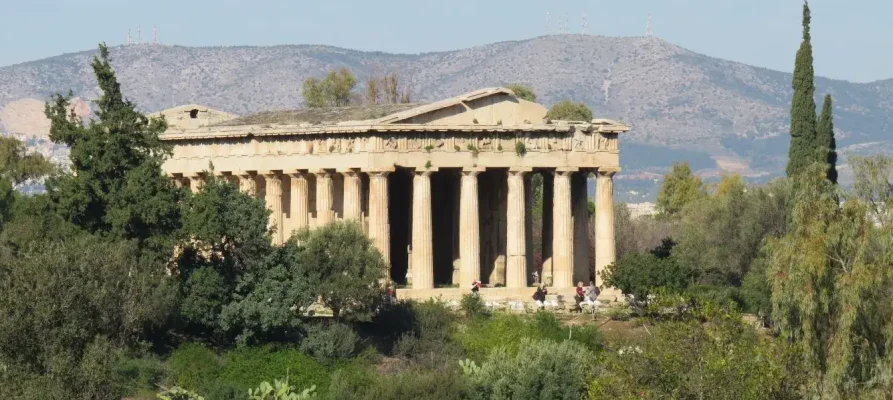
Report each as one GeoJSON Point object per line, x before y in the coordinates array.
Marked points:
{"type": "Point", "coordinates": [675, 99]}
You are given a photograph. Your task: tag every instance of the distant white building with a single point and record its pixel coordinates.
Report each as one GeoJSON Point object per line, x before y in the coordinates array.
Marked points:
{"type": "Point", "coordinates": [637, 210]}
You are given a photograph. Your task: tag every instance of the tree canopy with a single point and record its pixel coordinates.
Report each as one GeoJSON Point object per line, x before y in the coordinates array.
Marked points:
{"type": "Point", "coordinates": [804, 148]}
{"type": "Point", "coordinates": [570, 111]}
{"type": "Point", "coordinates": [522, 92]}
{"type": "Point", "coordinates": [332, 91]}
{"type": "Point", "coordinates": [680, 188]}
{"type": "Point", "coordinates": [825, 138]}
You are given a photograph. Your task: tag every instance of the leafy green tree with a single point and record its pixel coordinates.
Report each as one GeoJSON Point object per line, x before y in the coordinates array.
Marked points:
{"type": "Point", "coordinates": [116, 184]}
{"type": "Point", "coordinates": [721, 235]}
{"type": "Point", "coordinates": [872, 183]}
{"type": "Point", "coordinates": [642, 274]}
{"type": "Point", "coordinates": [825, 138]}
{"type": "Point", "coordinates": [344, 267]}
{"type": "Point", "coordinates": [523, 92]}
{"type": "Point", "coordinates": [831, 279]}
{"type": "Point", "coordinates": [570, 111]}
{"type": "Point", "coordinates": [804, 146]}
{"type": "Point", "coordinates": [332, 91]}
{"type": "Point", "coordinates": [680, 188]}
{"type": "Point", "coordinates": [18, 166]}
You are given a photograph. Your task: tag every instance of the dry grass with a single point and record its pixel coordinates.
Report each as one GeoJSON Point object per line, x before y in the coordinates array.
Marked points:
{"type": "Point", "coordinates": [326, 115]}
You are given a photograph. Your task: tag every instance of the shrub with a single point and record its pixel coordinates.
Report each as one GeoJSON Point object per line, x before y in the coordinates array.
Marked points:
{"type": "Point", "coordinates": [540, 370]}
{"type": "Point", "coordinates": [642, 274]}
{"type": "Point", "coordinates": [329, 343]}
{"type": "Point", "coordinates": [520, 148]}
{"type": "Point", "coordinates": [570, 111]}
{"type": "Point", "coordinates": [473, 306]}
{"type": "Point", "coordinates": [416, 384]}
{"type": "Point", "coordinates": [140, 375]}
{"type": "Point", "coordinates": [247, 367]}
{"type": "Point", "coordinates": [193, 366]}
{"type": "Point", "coordinates": [722, 359]}
{"type": "Point", "coordinates": [506, 331]}
{"type": "Point", "coordinates": [280, 390]}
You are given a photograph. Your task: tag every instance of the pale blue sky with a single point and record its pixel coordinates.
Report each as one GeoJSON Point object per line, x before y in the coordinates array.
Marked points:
{"type": "Point", "coordinates": [852, 38]}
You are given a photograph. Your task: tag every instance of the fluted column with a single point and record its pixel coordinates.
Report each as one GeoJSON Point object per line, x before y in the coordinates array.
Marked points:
{"type": "Point", "coordinates": [469, 228]}
{"type": "Point", "coordinates": [325, 204]}
{"type": "Point", "coordinates": [247, 183]}
{"type": "Point", "coordinates": [604, 229]}
{"type": "Point", "coordinates": [352, 192]}
{"type": "Point", "coordinates": [422, 238]}
{"type": "Point", "coordinates": [274, 203]}
{"type": "Point", "coordinates": [299, 205]}
{"type": "Point", "coordinates": [516, 232]}
{"type": "Point", "coordinates": [563, 232]}
{"type": "Point", "coordinates": [379, 223]}
{"type": "Point", "coordinates": [195, 182]}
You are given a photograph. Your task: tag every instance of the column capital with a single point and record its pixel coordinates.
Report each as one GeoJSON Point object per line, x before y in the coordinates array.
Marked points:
{"type": "Point", "coordinates": [174, 175]}
{"type": "Point", "coordinates": [321, 172]}
{"type": "Point", "coordinates": [567, 169]}
{"type": "Point", "coordinates": [295, 173]}
{"type": "Point", "coordinates": [608, 171]}
{"type": "Point", "coordinates": [270, 173]}
{"type": "Point", "coordinates": [245, 173]}
{"type": "Point", "coordinates": [379, 173]}
{"type": "Point", "coordinates": [348, 171]}
{"type": "Point", "coordinates": [472, 171]}
{"type": "Point", "coordinates": [194, 174]}
{"type": "Point", "coordinates": [426, 172]}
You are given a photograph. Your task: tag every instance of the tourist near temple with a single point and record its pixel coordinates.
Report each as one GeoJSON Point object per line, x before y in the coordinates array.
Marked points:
{"type": "Point", "coordinates": [442, 189]}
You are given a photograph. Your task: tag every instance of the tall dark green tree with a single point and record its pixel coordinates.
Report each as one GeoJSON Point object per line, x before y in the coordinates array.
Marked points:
{"type": "Point", "coordinates": [116, 184]}
{"type": "Point", "coordinates": [825, 137]}
{"type": "Point", "coordinates": [803, 151]}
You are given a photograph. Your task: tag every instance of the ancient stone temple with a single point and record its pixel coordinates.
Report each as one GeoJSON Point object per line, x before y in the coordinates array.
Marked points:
{"type": "Point", "coordinates": [443, 189]}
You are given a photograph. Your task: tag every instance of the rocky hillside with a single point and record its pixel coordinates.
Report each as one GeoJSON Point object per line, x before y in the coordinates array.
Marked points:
{"type": "Point", "coordinates": [730, 115]}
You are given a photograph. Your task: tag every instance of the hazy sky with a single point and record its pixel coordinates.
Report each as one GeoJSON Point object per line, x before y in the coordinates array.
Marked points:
{"type": "Point", "coordinates": [852, 38]}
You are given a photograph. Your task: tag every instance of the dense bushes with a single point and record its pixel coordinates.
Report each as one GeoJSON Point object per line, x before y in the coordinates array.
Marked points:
{"type": "Point", "coordinates": [540, 369]}
{"type": "Point", "coordinates": [481, 336]}
{"type": "Point", "coordinates": [328, 343]}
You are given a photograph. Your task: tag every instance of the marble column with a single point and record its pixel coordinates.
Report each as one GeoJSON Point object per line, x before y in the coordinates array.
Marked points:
{"type": "Point", "coordinates": [273, 199]}
{"type": "Point", "coordinates": [469, 229]}
{"type": "Point", "coordinates": [379, 224]}
{"type": "Point", "coordinates": [195, 182]}
{"type": "Point", "coordinates": [422, 239]}
{"type": "Point", "coordinates": [582, 269]}
{"type": "Point", "coordinates": [604, 229]}
{"type": "Point", "coordinates": [299, 205]}
{"type": "Point", "coordinates": [563, 231]}
{"type": "Point", "coordinates": [516, 230]}
{"type": "Point", "coordinates": [352, 192]}
{"type": "Point", "coordinates": [547, 251]}
{"type": "Point", "coordinates": [325, 192]}
{"type": "Point", "coordinates": [247, 183]}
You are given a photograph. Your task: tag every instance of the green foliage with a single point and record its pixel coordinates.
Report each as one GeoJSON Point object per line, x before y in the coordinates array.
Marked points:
{"type": "Point", "coordinates": [248, 367]}
{"type": "Point", "coordinates": [17, 166]}
{"type": "Point", "coordinates": [67, 306]}
{"type": "Point", "coordinates": [641, 274]}
{"type": "Point", "coordinates": [473, 149]}
{"type": "Point", "coordinates": [329, 343]}
{"type": "Point", "coordinates": [280, 390]}
{"type": "Point", "coordinates": [721, 235]}
{"type": "Point", "coordinates": [831, 281]}
{"type": "Point", "coordinates": [805, 148]}
{"type": "Point", "coordinates": [140, 374]}
{"type": "Point", "coordinates": [827, 144]}
{"type": "Point", "coordinates": [722, 359]}
{"type": "Point", "coordinates": [332, 91]}
{"type": "Point", "coordinates": [429, 339]}
{"type": "Point", "coordinates": [522, 92]}
{"type": "Point", "coordinates": [679, 189]}
{"type": "Point", "coordinates": [484, 335]}
{"type": "Point", "coordinates": [473, 306]}
{"type": "Point", "coordinates": [177, 393]}
{"type": "Point", "coordinates": [755, 293]}
{"type": "Point", "coordinates": [193, 366]}
{"type": "Point", "coordinates": [269, 303]}
{"type": "Point", "coordinates": [539, 370]}
{"type": "Point", "coordinates": [344, 267]}
{"type": "Point", "coordinates": [520, 148]}
{"type": "Point", "coordinates": [357, 383]}
{"type": "Point", "coordinates": [570, 111]}
{"type": "Point", "coordinates": [116, 184]}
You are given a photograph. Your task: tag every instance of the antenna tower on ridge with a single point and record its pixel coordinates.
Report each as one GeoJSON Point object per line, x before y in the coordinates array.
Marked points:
{"type": "Point", "coordinates": [139, 35]}
{"type": "Point", "coordinates": [129, 40]}
{"type": "Point", "coordinates": [585, 29]}
{"type": "Point", "coordinates": [648, 31]}
{"type": "Point", "coordinates": [566, 24]}
{"type": "Point", "coordinates": [155, 34]}
{"type": "Point", "coordinates": [548, 23]}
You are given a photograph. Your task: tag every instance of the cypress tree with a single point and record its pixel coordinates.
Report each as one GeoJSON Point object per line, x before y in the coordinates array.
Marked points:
{"type": "Point", "coordinates": [825, 138]}
{"type": "Point", "coordinates": [803, 119]}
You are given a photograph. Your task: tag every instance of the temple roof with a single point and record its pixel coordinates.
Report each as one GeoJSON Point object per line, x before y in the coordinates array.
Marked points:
{"type": "Point", "coordinates": [484, 110]}
{"type": "Point", "coordinates": [319, 116]}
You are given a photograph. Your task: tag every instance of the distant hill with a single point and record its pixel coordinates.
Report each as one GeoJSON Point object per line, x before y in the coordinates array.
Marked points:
{"type": "Point", "coordinates": [682, 105]}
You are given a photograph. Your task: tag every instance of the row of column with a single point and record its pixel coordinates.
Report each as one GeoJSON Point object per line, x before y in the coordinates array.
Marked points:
{"type": "Point", "coordinates": [422, 262]}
